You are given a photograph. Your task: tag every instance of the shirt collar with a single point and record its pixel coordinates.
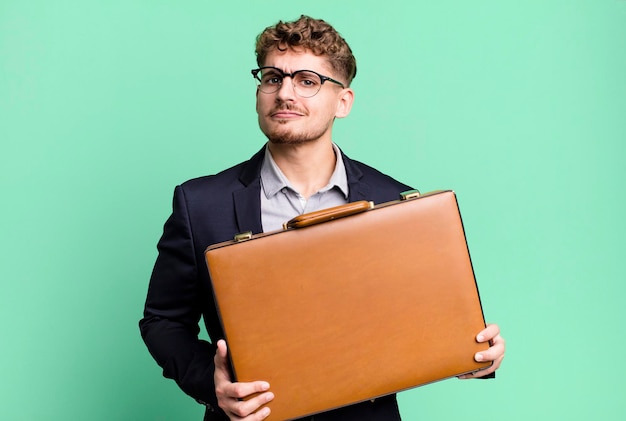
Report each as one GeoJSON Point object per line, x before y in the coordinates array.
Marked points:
{"type": "Point", "coordinates": [273, 180]}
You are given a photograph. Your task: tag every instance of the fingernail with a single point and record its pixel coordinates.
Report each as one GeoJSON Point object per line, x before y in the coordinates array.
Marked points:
{"type": "Point", "coordinates": [265, 412]}
{"type": "Point", "coordinates": [265, 386]}
{"type": "Point", "coordinates": [480, 338]}
{"type": "Point", "coordinates": [269, 397]}
{"type": "Point", "coordinates": [478, 357]}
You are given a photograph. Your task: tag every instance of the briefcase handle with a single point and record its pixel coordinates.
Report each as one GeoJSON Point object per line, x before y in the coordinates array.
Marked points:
{"type": "Point", "coordinates": [329, 214]}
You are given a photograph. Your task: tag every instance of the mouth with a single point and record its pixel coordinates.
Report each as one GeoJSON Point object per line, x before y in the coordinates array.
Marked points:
{"type": "Point", "coordinates": [286, 113]}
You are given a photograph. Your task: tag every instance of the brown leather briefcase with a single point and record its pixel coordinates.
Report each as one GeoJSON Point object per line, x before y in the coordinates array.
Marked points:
{"type": "Point", "coordinates": [340, 307]}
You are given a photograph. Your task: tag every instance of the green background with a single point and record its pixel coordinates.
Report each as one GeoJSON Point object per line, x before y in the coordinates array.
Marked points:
{"type": "Point", "coordinates": [519, 106]}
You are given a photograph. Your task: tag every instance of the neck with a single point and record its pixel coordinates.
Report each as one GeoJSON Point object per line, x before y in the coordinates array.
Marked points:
{"type": "Point", "coordinates": [307, 166]}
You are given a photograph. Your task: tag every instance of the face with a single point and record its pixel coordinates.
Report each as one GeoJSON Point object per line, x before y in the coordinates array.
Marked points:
{"type": "Point", "coordinates": [286, 118]}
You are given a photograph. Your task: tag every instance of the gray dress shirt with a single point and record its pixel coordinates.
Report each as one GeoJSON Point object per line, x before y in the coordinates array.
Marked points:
{"type": "Point", "coordinates": [280, 201]}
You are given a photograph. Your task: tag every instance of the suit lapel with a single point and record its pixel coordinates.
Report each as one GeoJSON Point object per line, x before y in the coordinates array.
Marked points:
{"type": "Point", "coordinates": [356, 189]}
{"type": "Point", "coordinates": [247, 201]}
{"type": "Point", "coordinates": [248, 208]}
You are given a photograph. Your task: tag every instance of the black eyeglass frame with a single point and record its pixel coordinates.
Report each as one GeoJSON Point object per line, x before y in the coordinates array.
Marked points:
{"type": "Point", "coordinates": [282, 74]}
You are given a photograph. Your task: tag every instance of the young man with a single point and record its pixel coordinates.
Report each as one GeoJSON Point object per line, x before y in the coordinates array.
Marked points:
{"type": "Point", "coordinates": [304, 75]}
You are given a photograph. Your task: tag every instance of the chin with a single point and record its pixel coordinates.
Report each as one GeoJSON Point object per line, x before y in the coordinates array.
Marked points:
{"type": "Point", "coordinates": [288, 137]}
{"type": "Point", "coordinates": [288, 140]}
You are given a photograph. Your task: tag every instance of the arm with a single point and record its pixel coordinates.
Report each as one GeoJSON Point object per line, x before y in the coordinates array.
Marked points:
{"type": "Point", "coordinates": [173, 309]}
{"type": "Point", "coordinates": [178, 295]}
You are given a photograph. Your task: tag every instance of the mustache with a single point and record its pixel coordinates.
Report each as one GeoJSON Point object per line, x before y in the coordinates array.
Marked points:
{"type": "Point", "coordinates": [287, 106]}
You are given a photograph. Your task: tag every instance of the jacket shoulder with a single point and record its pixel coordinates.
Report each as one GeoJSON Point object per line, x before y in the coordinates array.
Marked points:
{"type": "Point", "coordinates": [369, 183]}
{"type": "Point", "coordinates": [372, 175]}
{"type": "Point", "coordinates": [209, 184]}
{"type": "Point", "coordinates": [233, 178]}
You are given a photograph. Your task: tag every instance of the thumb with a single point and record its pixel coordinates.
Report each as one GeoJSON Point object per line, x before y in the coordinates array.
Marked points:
{"type": "Point", "coordinates": [221, 356]}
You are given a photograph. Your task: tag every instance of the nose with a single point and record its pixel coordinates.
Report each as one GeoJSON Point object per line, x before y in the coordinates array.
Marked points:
{"type": "Point", "coordinates": [287, 90]}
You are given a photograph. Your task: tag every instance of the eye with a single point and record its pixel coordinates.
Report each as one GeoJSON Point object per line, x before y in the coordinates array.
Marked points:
{"type": "Point", "coordinates": [271, 79]}
{"type": "Point", "coordinates": [307, 80]}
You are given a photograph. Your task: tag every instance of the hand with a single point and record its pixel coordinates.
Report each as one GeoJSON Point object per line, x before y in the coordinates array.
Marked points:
{"type": "Point", "coordinates": [230, 395]}
{"type": "Point", "coordinates": [495, 352]}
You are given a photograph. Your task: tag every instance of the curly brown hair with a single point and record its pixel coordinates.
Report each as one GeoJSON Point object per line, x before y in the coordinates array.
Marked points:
{"type": "Point", "coordinates": [314, 35]}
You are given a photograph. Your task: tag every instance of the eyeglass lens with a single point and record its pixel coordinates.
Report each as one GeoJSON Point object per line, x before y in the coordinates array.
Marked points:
{"type": "Point", "coordinates": [305, 83]}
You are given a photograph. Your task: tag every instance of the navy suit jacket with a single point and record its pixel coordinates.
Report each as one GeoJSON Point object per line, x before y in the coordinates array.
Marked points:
{"type": "Point", "coordinates": [209, 210]}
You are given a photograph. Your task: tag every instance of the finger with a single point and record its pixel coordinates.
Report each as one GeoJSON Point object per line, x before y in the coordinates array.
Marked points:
{"type": "Point", "coordinates": [243, 390]}
{"type": "Point", "coordinates": [243, 399]}
{"type": "Point", "coordinates": [488, 370]}
{"type": "Point", "coordinates": [221, 363]}
{"type": "Point", "coordinates": [261, 414]}
{"type": "Point", "coordinates": [222, 350]}
{"type": "Point", "coordinates": [488, 333]}
{"type": "Point", "coordinates": [252, 407]}
{"type": "Point", "coordinates": [493, 367]}
{"type": "Point", "coordinates": [257, 416]}
{"type": "Point", "coordinates": [494, 352]}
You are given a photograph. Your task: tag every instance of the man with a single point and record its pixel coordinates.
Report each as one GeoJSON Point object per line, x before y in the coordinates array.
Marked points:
{"type": "Point", "coordinates": [304, 75]}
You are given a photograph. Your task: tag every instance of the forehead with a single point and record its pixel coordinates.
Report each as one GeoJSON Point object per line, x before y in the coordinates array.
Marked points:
{"type": "Point", "coordinates": [290, 61]}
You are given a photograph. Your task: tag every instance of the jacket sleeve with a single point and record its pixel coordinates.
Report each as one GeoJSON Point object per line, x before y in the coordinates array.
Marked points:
{"type": "Point", "coordinates": [173, 308]}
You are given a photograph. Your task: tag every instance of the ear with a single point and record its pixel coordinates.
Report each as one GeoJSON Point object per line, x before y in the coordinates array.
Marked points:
{"type": "Point", "coordinates": [256, 102]}
{"type": "Point", "coordinates": [344, 105]}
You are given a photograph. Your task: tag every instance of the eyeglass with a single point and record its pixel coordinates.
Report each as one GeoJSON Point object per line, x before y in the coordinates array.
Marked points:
{"type": "Point", "coordinates": [306, 83]}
